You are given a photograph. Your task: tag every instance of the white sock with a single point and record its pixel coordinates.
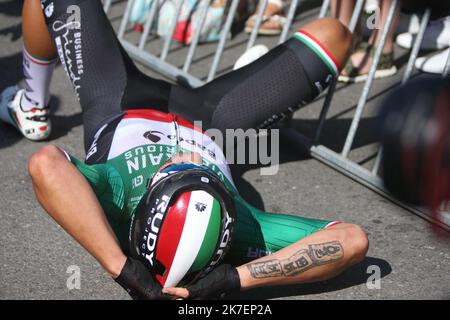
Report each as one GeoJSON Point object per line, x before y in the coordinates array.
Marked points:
{"type": "Point", "coordinates": [38, 74]}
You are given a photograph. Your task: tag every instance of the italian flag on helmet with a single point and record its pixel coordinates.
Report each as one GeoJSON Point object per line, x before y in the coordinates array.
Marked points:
{"type": "Point", "coordinates": [188, 237]}
{"type": "Point", "coordinates": [183, 226]}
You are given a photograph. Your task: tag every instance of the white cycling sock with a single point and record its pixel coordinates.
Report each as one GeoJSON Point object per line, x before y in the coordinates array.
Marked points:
{"type": "Point", "coordinates": [38, 73]}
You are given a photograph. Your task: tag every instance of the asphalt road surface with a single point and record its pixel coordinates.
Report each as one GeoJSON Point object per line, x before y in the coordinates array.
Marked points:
{"type": "Point", "coordinates": [35, 254]}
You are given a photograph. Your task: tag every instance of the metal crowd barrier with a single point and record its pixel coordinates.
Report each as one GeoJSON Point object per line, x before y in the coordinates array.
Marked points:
{"type": "Point", "coordinates": [107, 5]}
{"type": "Point", "coordinates": [159, 63]}
{"type": "Point", "coordinates": [339, 161]}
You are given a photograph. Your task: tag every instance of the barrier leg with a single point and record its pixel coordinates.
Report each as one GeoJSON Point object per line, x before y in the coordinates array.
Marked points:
{"type": "Point", "coordinates": [148, 24]}
{"type": "Point", "coordinates": [259, 18]}
{"type": "Point", "coordinates": [356, 14]}
{"type": "Point", "coordinates": [416, 45]}
{"type": "Point", "coordinates": [327, 103]}
{"type": "Point", "coordinates": [196, 37]}
{"type": "Point", "coordinates": [124, 22]}
{"type": "Point", "coordinates": [447, 67]}
{"type": "Point", "coordinates": [107, 5]}
{"type": "Point", "coordinates": [223, 38]}
{"type": "Point", "coordinates": [169, 36]}
{"type": "Point", "coordinates": [324, 8]}
{"type": "Point", "coordinates": [289, 19]}
{"type": "Point", "coordinates": [365, 93]}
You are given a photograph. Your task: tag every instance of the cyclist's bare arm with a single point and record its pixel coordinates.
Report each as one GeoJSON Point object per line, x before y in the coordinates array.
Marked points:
{"type": "Point", "coordinates": [69, 199]}
{"type": "Point", "coordinates": [320, 256]}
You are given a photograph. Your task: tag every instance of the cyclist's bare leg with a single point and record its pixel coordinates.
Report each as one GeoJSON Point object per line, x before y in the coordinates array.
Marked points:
{"type": "Point", "coordinates": [36, 37]}
{"type": "Point", "coordinates": [27, 109]}
{"type": "Point", "coordinates": [69, 199]}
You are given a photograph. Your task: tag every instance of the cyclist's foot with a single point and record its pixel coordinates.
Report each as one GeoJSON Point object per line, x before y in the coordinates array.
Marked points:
{"type": "Point", "coordinates": [34, 124]}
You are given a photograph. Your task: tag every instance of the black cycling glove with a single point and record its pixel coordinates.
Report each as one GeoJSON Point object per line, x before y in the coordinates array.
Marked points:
{"type": "Point", "coordinates": [222, 280]}
{"type": "Point", "coordinates": [137, 280]}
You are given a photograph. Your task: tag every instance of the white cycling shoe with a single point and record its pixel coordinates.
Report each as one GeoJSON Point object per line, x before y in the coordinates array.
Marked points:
{"type": "Point", "coordinates": [34, 124]}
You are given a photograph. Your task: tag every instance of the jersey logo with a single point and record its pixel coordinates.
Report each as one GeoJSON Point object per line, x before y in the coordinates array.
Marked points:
{"type": "Point", "coordinates": [150, 135]}
{"type": "Point", "coordinates": [93, 149]}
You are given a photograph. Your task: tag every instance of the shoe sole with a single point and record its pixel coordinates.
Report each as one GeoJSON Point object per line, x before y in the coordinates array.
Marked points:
{"type": "Point", "coordinates": [264, 32]}
{"type": "Point", "coordinates": [437, 47]}
{"type": "Point", "coordinates": [379, 74]}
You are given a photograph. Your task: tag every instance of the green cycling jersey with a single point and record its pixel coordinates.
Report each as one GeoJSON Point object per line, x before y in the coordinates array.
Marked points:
{"type": "Point", "coordinates": [139, 144]}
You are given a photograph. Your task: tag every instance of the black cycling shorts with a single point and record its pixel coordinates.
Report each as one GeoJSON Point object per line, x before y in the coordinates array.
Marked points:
{"type": "Point", "coordinates": [107, 82]}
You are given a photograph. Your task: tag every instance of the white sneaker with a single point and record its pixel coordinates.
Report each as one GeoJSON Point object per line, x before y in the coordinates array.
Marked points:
{"type": "Point", "coordinates": [371, 5]}
{"type": "Point", "coordinates": [433, 64]}
{"type": "Point", "coordinates": [34, 124]}
{"type": "Point", "coordinates": [437, 36]}
{"type": "Point", "coordinates": [408, 23]}
{"type": "Point", "coordinates": [251, 55]}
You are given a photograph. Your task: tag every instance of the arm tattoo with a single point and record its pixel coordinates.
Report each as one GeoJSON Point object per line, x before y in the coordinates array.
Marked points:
{"type": "Point", "coordinates": [265, 269]}
{"type": "Point", "coordinates": [302, 260]}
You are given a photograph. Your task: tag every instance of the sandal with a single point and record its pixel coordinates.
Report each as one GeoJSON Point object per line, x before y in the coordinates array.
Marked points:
{"type": "Point", "coordinates": [272, 22]}
{"type": "Point", "coordinates": [385, 68]}
{"type": "Point", "coordinates": [270, 25]}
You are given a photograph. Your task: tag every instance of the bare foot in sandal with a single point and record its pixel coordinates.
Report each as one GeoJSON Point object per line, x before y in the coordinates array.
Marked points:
{"type": "Point", "coordinates": [273, 19]}
{"type": "Point", "coordinates": [358, 66]}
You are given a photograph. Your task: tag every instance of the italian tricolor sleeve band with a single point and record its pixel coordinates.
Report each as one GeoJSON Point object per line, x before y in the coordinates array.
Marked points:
{"type": "Point", "coordinates": [39, 61]}
{"type": "Point", "coordinates": [320, 50]}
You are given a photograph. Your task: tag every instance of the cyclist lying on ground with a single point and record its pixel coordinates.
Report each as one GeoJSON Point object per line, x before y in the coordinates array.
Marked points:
{"type": "Point", "coordinates": [154, 202]}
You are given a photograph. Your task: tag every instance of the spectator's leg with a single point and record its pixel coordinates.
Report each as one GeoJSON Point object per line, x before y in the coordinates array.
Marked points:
{"type": "Point", "coordinates": [362, 59]}
{"type": "Point", "coordinates": [342, 10]}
